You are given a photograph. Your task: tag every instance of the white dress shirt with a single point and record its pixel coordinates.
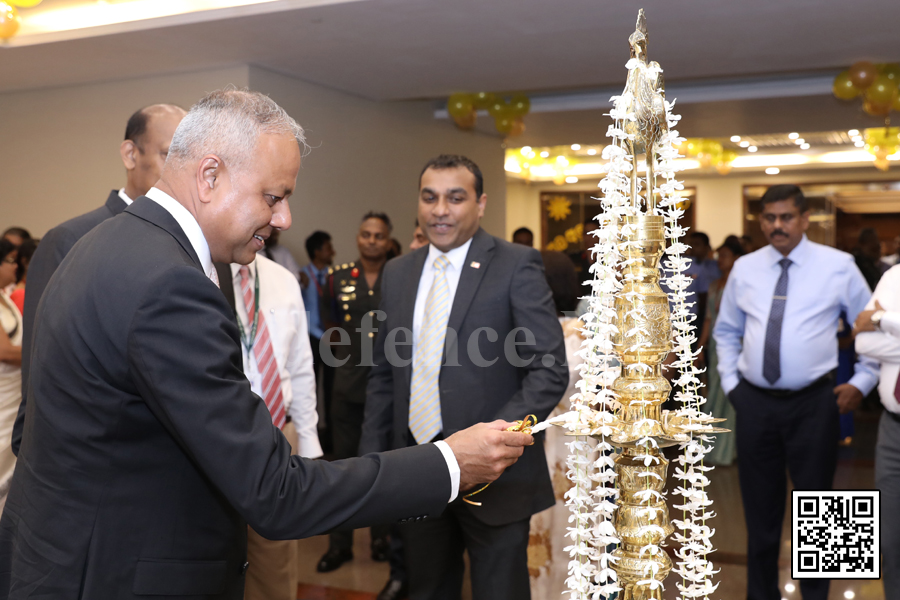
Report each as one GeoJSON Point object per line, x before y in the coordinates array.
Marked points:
{"type": "Point", "coordinates": [884, 345]}
{"type": "Point", "coordinates": [457, 258]}
{"type": "Point", "coordinates": [125, 197]}
{"type": "Point", "coordinates": [282, 307]}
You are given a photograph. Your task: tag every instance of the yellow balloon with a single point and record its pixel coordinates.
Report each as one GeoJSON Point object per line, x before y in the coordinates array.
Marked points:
{"type": "Point", "coordinates": [9, 21]}
{"type": "Point", "coordinates": [844, 88]}
{"type": "Point", "coordinates": [882, 91]}
{"type": "Point", "coordinates": [483, 100]}
{"type": "Point", "coordinates": [459, 106]}
{"type": "Point", "coordinates": [24, 3]}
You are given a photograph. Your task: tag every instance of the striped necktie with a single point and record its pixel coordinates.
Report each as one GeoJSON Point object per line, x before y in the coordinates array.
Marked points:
{"type": "Point", "coordinates": [265, 356]}
{"type": "Point", "coordinates": [425, 397]}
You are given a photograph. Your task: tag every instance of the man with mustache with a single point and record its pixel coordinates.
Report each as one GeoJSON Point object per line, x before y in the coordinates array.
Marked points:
{"type": "Point", "coordinates": [777, 355]}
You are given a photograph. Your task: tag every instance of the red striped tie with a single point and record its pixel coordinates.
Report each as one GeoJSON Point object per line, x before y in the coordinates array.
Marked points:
{"type": "Point", "coordinates": [265, 357]}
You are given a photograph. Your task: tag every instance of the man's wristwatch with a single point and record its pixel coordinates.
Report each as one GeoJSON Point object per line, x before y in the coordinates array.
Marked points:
{"type": "Point", "coordinates": [876, 318]}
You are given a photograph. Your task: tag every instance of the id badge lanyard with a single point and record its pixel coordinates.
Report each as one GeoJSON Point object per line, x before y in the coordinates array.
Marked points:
{"type": "Point", "coordinates": [246, 341]}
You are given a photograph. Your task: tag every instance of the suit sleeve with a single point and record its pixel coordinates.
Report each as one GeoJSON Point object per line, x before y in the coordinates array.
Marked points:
{"type": "Point", "coordinates": [531, 302]}
{"type": "Point", "coordinates": [50, 252]}
{"type": "Point", "coordinates": [184, 359]}
{"type": "Point", "coordinates": [379, 413]}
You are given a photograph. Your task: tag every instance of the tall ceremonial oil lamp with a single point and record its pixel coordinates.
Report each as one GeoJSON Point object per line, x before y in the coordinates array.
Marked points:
{"type": "Point", "coordinates": [620, 517]}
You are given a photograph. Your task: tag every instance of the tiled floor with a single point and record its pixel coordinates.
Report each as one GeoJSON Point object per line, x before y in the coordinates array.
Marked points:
{"type": "Point", "coordinates": [362, 578]}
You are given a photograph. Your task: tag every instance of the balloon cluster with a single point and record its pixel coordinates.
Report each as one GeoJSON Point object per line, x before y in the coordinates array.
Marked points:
{"type": "Point", "coordinates": [9, 16]}
{"type": "Point", "coordinates": [877, 84]}
{"type": "Point", "coordinates": [709, 153]}
{"type": "Point", "coordinates": [507, 113]}
{"type": "Point", "coordinates": [882, 142]}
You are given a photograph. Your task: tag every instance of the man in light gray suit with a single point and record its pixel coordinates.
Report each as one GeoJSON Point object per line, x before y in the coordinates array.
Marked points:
{"type": "Point", "coordinates": [470, 334]}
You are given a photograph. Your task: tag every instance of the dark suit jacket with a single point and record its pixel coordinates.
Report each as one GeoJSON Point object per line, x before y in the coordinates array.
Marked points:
{"type": "Point", "coordinates": [50, 252]}
{"type": "Point", "coordinates": [507, 290]}
{"type": "Point", "coordinates": [145, 453]}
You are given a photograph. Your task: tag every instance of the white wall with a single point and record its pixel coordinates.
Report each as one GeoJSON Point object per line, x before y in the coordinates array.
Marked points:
{"type": "Point", "coordinates": [720, 208]}
{"type": "Point", "coordinates": [59, 151]}
{"type": "Point", "coordinates": [59, 147]}
{"type": "Point", "coordinates": [368, 156]}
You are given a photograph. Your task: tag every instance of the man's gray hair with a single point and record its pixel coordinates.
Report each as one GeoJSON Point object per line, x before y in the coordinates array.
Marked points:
{"type": "Point", "coordinates": [228, 123]}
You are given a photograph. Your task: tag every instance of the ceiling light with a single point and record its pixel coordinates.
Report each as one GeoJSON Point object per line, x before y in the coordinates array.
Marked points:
{"type": "Point", "coordinates": [532, 154]}
{"type": "Point", "coordinates": [794, 135]}
{"type": "Point", "coordinates": [849, 595]}
{"type": "Point", "coordinates": [571, 179]}
{"type": "Point", "coordinates": [856, 138]}
{"type": "Point", "coordinates": [545, 154]}
{"type": "Point", "coordinates": [799, 141]}
{"type": "Point", "coordinates": [576, 147]}
{"type": "Point", "coordinates": [735, 138]}
{"type": "Point", "coordinates": [562, 160]}
{"type": "Point", "coordinates": [761, 161]}
{"type": "Point", "coordinates": [859, 143]}
{"type": "Point", "coordinates": [853, 132]}
{"type": "Point", "coordinates": [804, 146]}
{"type": "Point", "coordinates": [752, 149]}
{"type": "Point", "coordinates": [592, 151]}
{"type": "Point", "coordinates": [774, 171]}
{"type": "Point", "coordinates": [789, 587]}
{"type": "Point", "coordinates": [525, 165]}
{"type": "Point", "coordinates": [526, 150]}
{"type": "Point", "coordinates": [745, 144]}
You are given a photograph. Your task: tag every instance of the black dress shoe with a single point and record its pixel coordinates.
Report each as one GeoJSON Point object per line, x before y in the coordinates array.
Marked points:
{"type": "Point", "coordinates": [380, 549]}
{"type": "Point", "coordinates": [333, 559]}
{"type": "Point", "coordinates": [394, 589]}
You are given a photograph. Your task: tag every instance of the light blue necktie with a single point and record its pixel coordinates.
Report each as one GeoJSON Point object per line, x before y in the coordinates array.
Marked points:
{"type": "Point", "coordinates": [424, 394]}
{"type": "Point", "coordinates": [772, 350]}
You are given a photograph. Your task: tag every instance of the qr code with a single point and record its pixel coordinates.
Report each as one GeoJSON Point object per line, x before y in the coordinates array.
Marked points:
{"type": "Point", "coordinates": [835, 534]}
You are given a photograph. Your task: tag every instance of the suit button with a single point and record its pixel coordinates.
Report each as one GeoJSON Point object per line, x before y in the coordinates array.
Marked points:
{"type": "Point", "coordinates": [245, 567]}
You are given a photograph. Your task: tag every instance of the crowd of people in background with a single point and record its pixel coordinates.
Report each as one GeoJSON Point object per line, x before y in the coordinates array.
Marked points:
{"type": "Point", "coordinates": [309, 333]}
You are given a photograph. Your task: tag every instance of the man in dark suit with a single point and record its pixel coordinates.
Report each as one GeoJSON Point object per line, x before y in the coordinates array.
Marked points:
{"type": "Point", "coordinates": [485, 344]}
{"type": "Point", "coordinates": [145, 454]}
{"type": "Point", "coordinates": [148, 134]}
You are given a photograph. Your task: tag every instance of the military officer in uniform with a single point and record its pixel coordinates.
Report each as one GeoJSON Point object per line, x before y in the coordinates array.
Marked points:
{"type": "Point", "coordinates": [351, 296]}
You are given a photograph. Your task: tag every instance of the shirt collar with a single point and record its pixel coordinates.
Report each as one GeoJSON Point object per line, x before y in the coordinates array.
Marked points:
{"type": "Point", "coordinates": [125, 197]}
{"type": "Point", "coordinates": [235, 268]}
{"type": "Point", "coordinates": [797, 255]}
{"type": "Point", "coordinates": [457, 256]}
{"type": "Point", "coordinates": [188, 224]}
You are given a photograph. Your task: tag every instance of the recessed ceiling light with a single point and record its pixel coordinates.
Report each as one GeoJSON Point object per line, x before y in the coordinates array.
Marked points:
{"type": "Point", "coordinates": [592, 151]}
{"type": "Point", "coordinates": [525, 165]}
{"type": "Point", "coordinates": [794, 135]}
{"type": "Point", "coordinates": [789, 587]}
{"type": "Point", "coordinates": [849, 595]}
{"type": "Point", "coordinates": [804, 146]}
{"type": "Point", "coordinates": [752, 149]}
{"type": "Point", "coordinates": [853, 132]}
{"type": "Point", "coordinates": [799, 141]}
{"type": "Point", "coordinates": [859, 144]}
{"type": "Point", "coordinates": [576, 147]}
{"type": "Point", "coordinates": [744, 144]}
{"type": "Point", "coordinates": [856, 138]}
{"type": "Point", "coordinates": [545, 154]}
{"type": "Point", "coordinates": [526, 150]}
{"type": "Point", "coordinates": [774, 171]}
{"type": "Point", "coordinates": [735, 138]}
{"type": "Point", "coordinates": [571, 179]}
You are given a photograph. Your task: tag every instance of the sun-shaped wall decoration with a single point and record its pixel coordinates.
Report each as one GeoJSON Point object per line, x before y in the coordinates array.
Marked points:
{"type": "Point", "coordinates": [559, 208]}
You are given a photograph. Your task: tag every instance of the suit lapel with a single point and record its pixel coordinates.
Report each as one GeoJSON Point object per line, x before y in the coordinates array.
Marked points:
{"type": "Point", "coordinates": [115, 204]}
{"type": "Point", "coordinates": [480, 252]}
{"type": "Point", "coordinates": [407, 306]}
{"type": "Point", "coordinates": [148, 210]}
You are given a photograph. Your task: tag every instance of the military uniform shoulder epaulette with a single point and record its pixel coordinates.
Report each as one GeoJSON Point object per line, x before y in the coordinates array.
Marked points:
{"type": "Point", "coordinates": [331, 270]}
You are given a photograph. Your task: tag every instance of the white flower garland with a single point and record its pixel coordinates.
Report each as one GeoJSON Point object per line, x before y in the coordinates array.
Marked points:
{"type": "Point", "coordinates": [592, 496]}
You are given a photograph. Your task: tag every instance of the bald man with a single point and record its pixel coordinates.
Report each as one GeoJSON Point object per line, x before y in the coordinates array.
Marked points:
{"type": "Point", "coordinates": [147, 137]}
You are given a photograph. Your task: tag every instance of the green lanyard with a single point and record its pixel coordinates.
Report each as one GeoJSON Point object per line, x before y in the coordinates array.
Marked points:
{"type": "Point", "coordinates": [248, 344]}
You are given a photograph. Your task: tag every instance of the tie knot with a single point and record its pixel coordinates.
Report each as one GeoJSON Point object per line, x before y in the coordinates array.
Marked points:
{"type": "Point", "coordinates": [245, 272]}
{"type": "Point", "coordinates": [785, 263]}
{"type": "Point", "coordinates": [441, 262]}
